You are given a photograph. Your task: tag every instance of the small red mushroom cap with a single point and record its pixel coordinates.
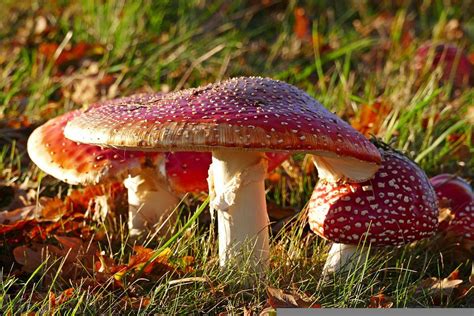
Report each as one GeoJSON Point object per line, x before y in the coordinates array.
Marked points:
{"type": "Point", "coordinates": [397, 206]}
{"type": "Point", "coordinates": [77, 163]}
{"type": "Point", "coordinates": [188, 171]}
{"type": "Point", "coordinates": [249, 114]}
{"type": "Point", "coordinates": [463, 223]}
{"type": "Point", "coordinates": [454, 189]}
{"type": "Point", "coordinates": [453, 60]}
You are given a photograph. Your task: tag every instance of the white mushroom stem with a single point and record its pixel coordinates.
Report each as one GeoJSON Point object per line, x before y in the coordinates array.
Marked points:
{"type": "Point", "coordinates": [237, 193]}
{"type": "Point", "coordinates": [150, 200]}
{"type": "Point", "coordinates": [343, 257]}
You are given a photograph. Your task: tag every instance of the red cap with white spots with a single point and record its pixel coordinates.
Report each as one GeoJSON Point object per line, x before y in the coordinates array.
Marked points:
{"type": "Point", "coordinates": [76, 163]}
{"type": "Point", "coordinates": [397, 206]}
{"type": "Point", "coordinates": [463, 223]}
{"type": "Point", "coordinates": [249, 114]}
{"type": "Point", "coordinates": [455, 189]}
{"type": "Point", "coordinates": [188, 171]}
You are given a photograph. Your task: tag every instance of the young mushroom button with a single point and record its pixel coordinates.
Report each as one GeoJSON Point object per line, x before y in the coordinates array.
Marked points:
{"type": "Point", "coordinates": [452, 189]}
{"type": "Point", "coordinates": [237, 120]}
{"type": "Point", "coordinates": [396, 207]}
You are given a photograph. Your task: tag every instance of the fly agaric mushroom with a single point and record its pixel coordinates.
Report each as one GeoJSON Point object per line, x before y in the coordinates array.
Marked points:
{"type": "Point", "coordinates": [395, 207]}
{"type": "Point", "coordinates": [462, 226]}
{"type": "Point", "coordinates": [151, 194]}
{"type": "Point", "coordinates": [455, 64]}
{"type": "Point", "coordinates": [455, 190]}
{"type": "Point", "coordinates": [148, 195]}
{"type": "Point", "coordinates": [237, 120]}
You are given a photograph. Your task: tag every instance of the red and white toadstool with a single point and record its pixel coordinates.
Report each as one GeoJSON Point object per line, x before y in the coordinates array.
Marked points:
{"type": "Point", "coordinates": [154, 180]}
{"type": "Point", "coordinates": [454, 62]}
{"type": "Point", "coordinates": [462, 226]}
{"type": "Point", "coordinates": [397, 206]}
{"type": "Point", "coordinates": [455, 190]}
{"type": "Point", "coordinates": [148, 194]}
{"type": "Point", "coordinates": [237, 120]}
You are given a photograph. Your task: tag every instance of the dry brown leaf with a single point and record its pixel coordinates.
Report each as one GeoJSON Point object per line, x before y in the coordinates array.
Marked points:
{"type": "Point", "coordinates": [380, 301]}
{"type": "Point", "coordinates": [31, 257]}
{"type": "Point", "coordinates": [370, 118]}
{"type": "Point", "coordinates": [441, 289]}
{"type": "Point", "coordinates": [70, 54]}
{"type": "Point", "coordinates": [278, 298]}
{"type": "Point", "coordinates": [466, 288]}
{"type": "Point", "coordinates": [53, 209]}
{"type": "Point", "coordinates": [65, 295]}
{"type": "Point", "coordinates": [77, 256]}
{"type": "Point", "coordinates": [159, 265]}
{"type": "Point", "coordinates": [19, 122]}
{"type": "Point", "coordinates": [302, 26]}
{"type": "Point", "coordinates": [16, 227]}
{"type": "Point", "coordinates": [19, 214]}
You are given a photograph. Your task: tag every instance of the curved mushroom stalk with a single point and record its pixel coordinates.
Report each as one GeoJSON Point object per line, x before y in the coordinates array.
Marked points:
{"type": "Point", "coordinates": [342, 257]}
{"type": "Point", "coordinates": [236, 187]}
{"type": "Point", "coordinates": [150, 201]}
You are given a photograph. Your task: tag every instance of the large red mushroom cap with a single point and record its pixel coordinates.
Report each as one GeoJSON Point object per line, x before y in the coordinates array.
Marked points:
{"type": "Point", "coordinates": [188, 171]}
{"type": "Point", "coordinates": [248, 114]}
{"type": "Point", "coordinates": [77, 163]}
{"type": "Point", "coordinates": [397, 206]}
{"type": "Point", "coordinates": [454, 189]}
{"type": "Point", "coordinates": [453, 61]}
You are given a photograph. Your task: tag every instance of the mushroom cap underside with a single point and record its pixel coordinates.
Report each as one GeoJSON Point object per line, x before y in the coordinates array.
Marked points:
{"type": "Point", "coordinates": [77, 163]}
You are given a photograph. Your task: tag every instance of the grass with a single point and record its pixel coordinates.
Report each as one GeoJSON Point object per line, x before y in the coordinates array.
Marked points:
{"type": "Point", "coordinates": [166, 45]}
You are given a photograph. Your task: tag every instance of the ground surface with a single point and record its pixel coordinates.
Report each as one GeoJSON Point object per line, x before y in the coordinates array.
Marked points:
{"type": "Point", "coordinates": [358, 60]}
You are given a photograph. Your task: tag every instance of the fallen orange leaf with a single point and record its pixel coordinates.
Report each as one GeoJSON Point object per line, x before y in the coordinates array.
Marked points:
{"type": "Point", "coordinates": [380, 301]}
{"type": "Point", "coordinates": [278, 298]}
{"type": "Point", "coordinates": [302, 26]}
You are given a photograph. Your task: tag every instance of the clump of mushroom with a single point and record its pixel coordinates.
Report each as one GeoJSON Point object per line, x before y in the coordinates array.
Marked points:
{"type": "Point", "coordinates": [154, 180]}
{"type": "Point", "coordinates": [237, 120]}
{"type": "Point", "coordinates": [397, 206]}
